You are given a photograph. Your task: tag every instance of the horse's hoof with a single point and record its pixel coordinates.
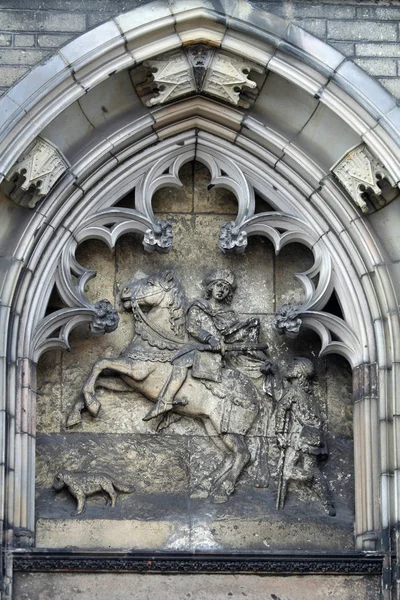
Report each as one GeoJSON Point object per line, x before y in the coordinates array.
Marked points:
{"type": "Point", "coordinates": [73, 419]}
{"type": "Point", "coordinates": [199, 493]}
{"type": "Point", "coordinates": [219, 498]}
{"type": "Point", "coordinates": [93, 405]}
{"type": "Point", "coordinates": [331, 510]}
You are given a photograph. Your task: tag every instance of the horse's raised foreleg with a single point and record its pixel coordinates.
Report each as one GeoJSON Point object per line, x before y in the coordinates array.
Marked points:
{"type": "Point", "coordinates": [124, 366]}
{"type": "Point", "coordinates": [224, 486]}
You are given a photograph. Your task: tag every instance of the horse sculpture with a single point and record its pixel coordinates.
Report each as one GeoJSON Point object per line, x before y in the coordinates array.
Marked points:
{"type": "Point", "coordinates": [227, 409]}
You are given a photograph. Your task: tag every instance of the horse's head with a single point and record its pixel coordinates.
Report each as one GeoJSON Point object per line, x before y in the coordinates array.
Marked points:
{"type": "Point", "coordinates": [148, 291]}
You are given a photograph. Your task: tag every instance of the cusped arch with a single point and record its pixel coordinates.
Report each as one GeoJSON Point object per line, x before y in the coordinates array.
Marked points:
{"type": "Point", "coordinates": [245, 152]}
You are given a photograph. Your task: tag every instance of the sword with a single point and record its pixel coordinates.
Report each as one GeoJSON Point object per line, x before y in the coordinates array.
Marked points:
{"type": "Point", "coordinates": [208, 348]}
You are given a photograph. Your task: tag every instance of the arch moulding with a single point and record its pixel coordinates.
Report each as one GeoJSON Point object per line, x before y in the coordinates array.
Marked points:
{"type": "Point", "coordinates": [333, 107]}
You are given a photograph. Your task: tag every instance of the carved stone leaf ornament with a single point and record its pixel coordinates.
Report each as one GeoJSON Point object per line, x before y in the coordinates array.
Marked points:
{"type": "Point", "coordinates": [173, 76]}
{"type": "Point", "coordinates": [359, 171]}
{"type": "Point", "coordinates": [227, 76]}
{"type": "Point", "coordinates": [34, 175]}
{"type": "Point", "coordinates": [201, 69]}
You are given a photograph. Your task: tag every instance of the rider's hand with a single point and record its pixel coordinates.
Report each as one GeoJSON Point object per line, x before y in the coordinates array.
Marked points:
{"type": "Point", "coordinates": [282, 440]}
{"type": "Point", "coordinates": [215, 343]}
{"type": "Point", "coordinates": [253, 322]}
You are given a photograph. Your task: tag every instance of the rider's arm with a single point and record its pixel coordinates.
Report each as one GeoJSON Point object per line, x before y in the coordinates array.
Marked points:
{"type": "Point", "coordinates": [195, 326]}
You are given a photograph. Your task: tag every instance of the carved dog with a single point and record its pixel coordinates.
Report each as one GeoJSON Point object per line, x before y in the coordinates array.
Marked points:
{"type": "Point", "coordinates": [81, 485]}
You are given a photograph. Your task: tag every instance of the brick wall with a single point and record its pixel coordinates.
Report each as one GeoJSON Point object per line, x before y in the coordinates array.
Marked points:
{"type": "Point", "coordinates": [367, 31]}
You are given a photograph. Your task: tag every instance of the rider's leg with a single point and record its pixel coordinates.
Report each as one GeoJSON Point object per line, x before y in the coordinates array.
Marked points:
{"type": "Point", "coordinates": [166, 398]}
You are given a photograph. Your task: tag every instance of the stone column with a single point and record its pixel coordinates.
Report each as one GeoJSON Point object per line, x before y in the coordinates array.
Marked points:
{"type": "Point", "coordinates": [366, 457]}
{"type": "Point", "coordinates": [21, 453]}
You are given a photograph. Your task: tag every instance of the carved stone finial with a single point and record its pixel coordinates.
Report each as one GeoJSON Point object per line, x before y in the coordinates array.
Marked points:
{"type": "Point", "coordinates": [364, 177]}
{"type": "Point", "coordinates": [105, 319]}
{"type": "Point", "coordinates": [197, 68]}
{"type": "Point", "coordinates": [159, 238]}
{"type": "Point", "coordinates": [287, 320]}
{"type": "Point", "coordinates": [232, 240]}
{"type": "Point", "coordinates": [35, 173]}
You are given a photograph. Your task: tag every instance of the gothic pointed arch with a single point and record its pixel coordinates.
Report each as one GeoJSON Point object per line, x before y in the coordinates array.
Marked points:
{"type": "Point", "coordinates": [270, 110]}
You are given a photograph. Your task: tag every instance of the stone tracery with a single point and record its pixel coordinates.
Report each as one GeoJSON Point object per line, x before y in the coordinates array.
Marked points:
{"type": "Point", "coordinates": [312, 210]}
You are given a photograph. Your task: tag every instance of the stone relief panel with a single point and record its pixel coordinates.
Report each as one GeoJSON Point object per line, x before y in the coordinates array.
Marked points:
{"type": "Point", "coordinates": [277, 462]}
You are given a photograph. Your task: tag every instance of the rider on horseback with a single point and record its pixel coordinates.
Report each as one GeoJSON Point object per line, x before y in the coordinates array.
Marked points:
{"type": "Point", "coordinates": [209, 321]}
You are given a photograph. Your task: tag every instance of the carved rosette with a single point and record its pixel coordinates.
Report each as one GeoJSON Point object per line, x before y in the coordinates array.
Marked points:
{"type": "Point", "coordinates": [361, 174]}
{"type": "Point", "coordinates": [232, 240]}
{"type": "Point", "coordinates": [105, 318]}
{"type": "Point", "coordinates": [35, 174]}
{"type": "Point", "coordinates": [287, 320]}
{"type": "Point", "coordinates": [159, 238]}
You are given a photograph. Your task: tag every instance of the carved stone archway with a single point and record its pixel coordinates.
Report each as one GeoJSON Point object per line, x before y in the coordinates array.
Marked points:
{"type": "Point", "coordinates": [64, 183]}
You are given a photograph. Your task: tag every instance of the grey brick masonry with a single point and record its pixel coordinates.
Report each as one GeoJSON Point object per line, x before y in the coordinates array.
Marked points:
{"type": "Point", "coordinates": [367, 31]}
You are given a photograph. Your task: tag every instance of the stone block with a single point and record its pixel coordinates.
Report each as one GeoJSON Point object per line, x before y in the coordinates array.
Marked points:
{"type": "Point", "coordinates": [156, 468]}
{"type": "Point", "coordinates": [49, 391]}
{"type": "Point", "coordinates": [9, 75]}
{"type": "Point", "coordinates": [42, 21]}
{"type": "Point", "coordinates": [102, 533]}
{"type": "Point", "coordinates": [216, 200]}
{"type": "Point", "coordinates": [306, 10]}
{"type": "Point", "coordinates": [97, 18]}
{"type": "Point", "coordinates": [346, 48]}
{"type": "Point", "coordinates": [379, 13]}
{"type": "Point", "coordinates": [27, 40]}
{"type": "Point", "coordinates": [283, 106]}
{"type": "Point", "coordinates": [374, 50]}
{"type": "Point", "coordinates": [326, 137]}
{"type": "Point", "coordinates": [22, 57]}
{"type": "Point", "coordinates": [5, 39]}
{"type": "Point", "coordinates": [53, 40]}
{"type": "Point", "coordinates": [119, 586]}
{"type": "Point", "coordinates": [289, 260]}
{"type": "Point", "coordinates": [386, 224]}
{"type": "Point", "coordinates": [392, 85]}
{"type": "Point", "coordinates": [378, 66]}
{"type": "Point", "coordinates": [339, 397]}
{"type": "Point", "coordinates": [112, 99]}
{"type": "Point", "coordinates": [315, 26]}
{"type": "Point", "coordinates": [359, 31]}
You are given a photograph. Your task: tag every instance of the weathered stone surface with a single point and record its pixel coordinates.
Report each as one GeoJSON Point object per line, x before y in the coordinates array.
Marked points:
{"type": "Point", "coordinates": [176, 200]}
{"type": "Point", "coordinates": [136, 461]}
{"type": "Point", "coordinates": [195, 240]}
{"type": "Point", "coordinates": [216, 200]}
{"type": "Point", "coordinates": [292, 259]}
{"type": "Point", "coordinates": [74, 586]}
{"type": "Point", "coordinates": [49, 390]}
{"type": "Point", "coordinates": [103, 533]}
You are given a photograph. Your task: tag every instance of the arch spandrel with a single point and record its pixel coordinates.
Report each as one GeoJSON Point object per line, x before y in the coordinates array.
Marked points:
{"type": "Point", "coordinates": [84, 103]}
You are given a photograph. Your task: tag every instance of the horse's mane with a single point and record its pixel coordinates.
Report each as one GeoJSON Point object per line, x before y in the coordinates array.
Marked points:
{"type": "Point", "coordinates": [176, 305]}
